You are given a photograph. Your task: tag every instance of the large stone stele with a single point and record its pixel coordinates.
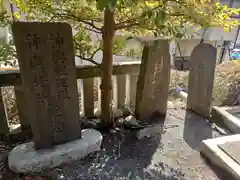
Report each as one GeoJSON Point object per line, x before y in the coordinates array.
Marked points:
{"type": "Point", "coordinates": [153, 80]}
{"type": "Point", "coordinates": [47, 68]}
{"type": "Point", "coordinates": [24, 158]}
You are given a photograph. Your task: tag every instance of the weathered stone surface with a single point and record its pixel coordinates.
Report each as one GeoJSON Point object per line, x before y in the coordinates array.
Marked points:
{"type": "Point", "coordinates": [47, 68]}
{"type": "Point", "coordinates": [22, 109]}
{"type": "Point", "coordinates": [201, 76]}
{"type": "Point", "coordinates": [153, 80]}
{"type": "Point", "coordinates": [231, 149]}
{"type": "Point", "coordinates": [4, 126]}
{"type": "Point", "coordinates": [25, 159]}
{"type": "Point", "coordinates": [120, 122]}
{"type": "Point", "coordinates": [210, 148]}
{"type": "Point", "coordinates": [222, 115]}
{"type": "Point", "coordinates": [129, 122]}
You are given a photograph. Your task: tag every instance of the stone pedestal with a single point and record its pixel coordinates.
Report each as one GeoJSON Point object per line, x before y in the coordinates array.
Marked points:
{"type": "Point", "coordinates": [25, 158]}
{"type": "Point", "coordinates": [225, 159]}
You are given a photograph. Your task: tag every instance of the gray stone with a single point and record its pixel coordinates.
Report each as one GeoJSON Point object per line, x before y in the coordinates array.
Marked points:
{"type": "Point", "coordinates": [153, 80]}
{"type": "Point", "coordinates": [131, 121]}
{"type": "Point", "coordinates": [201, 77]}
{"type": "Point", "coordinates": [210, 148]}
{"type": "Point", "coordinates": [150, 131]}
{"type": "Point", "coordinates": [47, 67]}
{"type": "Point", "coordinates": [25, 158]}
{"type": "Point", "coordinates": [222, 115]}
{"type": "Point", "coordinates": [120, 122]}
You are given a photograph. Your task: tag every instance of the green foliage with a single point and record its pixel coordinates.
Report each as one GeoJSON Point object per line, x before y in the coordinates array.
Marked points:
{"type": "Point", "coordinates": [7, 49]}
{"type": "Point", "coordinates": [8, 54]}
{"type": "Point", "coordinates": [167, 18]}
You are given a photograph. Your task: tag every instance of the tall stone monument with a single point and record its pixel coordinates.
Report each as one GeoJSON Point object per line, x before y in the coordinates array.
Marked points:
{"type": "Point", "coordinates": [47, 68]}
{"type": "Point", "coordinates": [48, 73]}
{"type": "Point", "coordinates": [201, 77]}
{"type": "Point", "coordinates": [153, 80]}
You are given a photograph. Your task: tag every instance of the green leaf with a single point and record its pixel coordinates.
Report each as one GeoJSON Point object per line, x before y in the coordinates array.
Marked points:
{"type": "Point", "coordinates": [149, 13]}
{"type": "Point", "coordinates": [113, 3]}
{"type": "Point", "coordinates": [101, 4]}
{"type": "Point", "coordinates": [17, 15]}
{"type": "Point", "coordinates": [160, 18]}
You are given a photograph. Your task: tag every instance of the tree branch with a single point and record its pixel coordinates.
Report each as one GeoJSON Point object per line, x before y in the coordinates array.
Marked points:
{"type": "Point", "coordinates": [85, 27]}
{"type": "Point", "coordinates": [89, 60]}
{"type": "Point", "coordinates": [68, 14]}
{"type": "Point", "coordinates": [126, 25]}
{"type": "Point", "coordinates": [135, 20]}
{"type": "Point", "coordinates": [93, 30]}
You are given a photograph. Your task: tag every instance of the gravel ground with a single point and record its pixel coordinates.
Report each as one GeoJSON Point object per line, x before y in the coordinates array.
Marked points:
{"type": "Point", "coordinates": [172, 156]}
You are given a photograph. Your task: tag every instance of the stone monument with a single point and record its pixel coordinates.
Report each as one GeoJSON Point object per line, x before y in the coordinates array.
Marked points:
{"type": "Point", "coordinates": [48, 73]}
{"type": "Point", "coordinates": [201, 77]}
{"type": "Point", "coordinates": [153, 80]}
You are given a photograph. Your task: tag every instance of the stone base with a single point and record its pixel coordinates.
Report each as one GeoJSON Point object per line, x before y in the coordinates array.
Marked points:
{"type": "Point", "coordinates": [218, 157]}
{"type": "Point", "coordinates": [230, 121]}
{"type": "Point", "coordinates": [25, 159]}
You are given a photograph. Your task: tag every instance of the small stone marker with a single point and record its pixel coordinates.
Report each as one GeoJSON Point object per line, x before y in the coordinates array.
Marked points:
{"type": "Point", "coordinates": [201, 77]}
{"type": "Point", "coordinates": [47, 68]}
{"type": "Point", "coordinates": [153, 80]}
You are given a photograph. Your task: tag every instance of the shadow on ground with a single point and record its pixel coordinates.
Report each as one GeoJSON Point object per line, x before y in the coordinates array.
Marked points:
{"type": "Point", "coordinates": [129, 160]}
{"type": "Point", "coordinates": [196, 129]}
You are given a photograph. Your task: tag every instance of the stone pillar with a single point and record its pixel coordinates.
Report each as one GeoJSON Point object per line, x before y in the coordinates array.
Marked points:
{"type": "Point", "coordinates": [48, 72]}
{"type": "Point", "coordinates": [201, 77]}
{"type": "Point", "coordinates": [153, 80]}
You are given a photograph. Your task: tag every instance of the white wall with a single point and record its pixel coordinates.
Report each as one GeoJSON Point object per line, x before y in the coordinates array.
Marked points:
{"type": "Point", "coordinates": [187, 46]}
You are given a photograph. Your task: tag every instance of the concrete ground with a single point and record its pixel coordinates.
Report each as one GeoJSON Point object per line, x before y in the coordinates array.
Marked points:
{"type": "Point", "coordinates": [172, 156]}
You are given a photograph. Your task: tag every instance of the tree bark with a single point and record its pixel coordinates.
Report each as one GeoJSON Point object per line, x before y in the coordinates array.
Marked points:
{"type": "Point", "coordinates": [106, 67]}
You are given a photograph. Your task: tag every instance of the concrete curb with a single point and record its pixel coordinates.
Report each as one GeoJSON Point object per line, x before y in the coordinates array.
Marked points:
{"type": "Point", "coordinates": [230, 121]}
{"type": "Point", "coordinates": [218, 157]}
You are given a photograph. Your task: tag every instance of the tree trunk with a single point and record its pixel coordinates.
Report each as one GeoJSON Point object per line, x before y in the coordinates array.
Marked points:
{"type": "Point", "coordinates": [106, 67]}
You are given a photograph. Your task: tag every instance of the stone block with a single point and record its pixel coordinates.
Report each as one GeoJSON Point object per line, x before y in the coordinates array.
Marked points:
{"type": "Point", "coordinates": [24, 158]}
